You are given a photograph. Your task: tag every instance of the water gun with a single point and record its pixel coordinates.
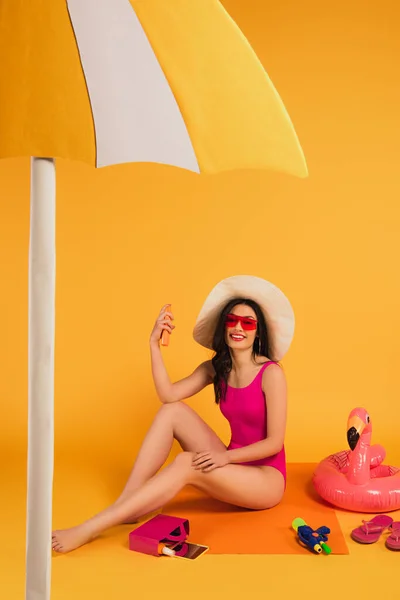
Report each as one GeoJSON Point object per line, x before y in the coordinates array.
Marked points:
{"type": "Point", "coordinates": [312, 538]}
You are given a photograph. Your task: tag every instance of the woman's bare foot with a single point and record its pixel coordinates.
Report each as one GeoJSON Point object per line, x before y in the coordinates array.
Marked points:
{"type": "Point", "coordinates": [65, 540]}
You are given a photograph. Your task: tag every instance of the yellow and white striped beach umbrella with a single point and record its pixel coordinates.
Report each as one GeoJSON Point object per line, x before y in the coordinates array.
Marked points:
{"type": "Point", "coordinates": [116, 81]}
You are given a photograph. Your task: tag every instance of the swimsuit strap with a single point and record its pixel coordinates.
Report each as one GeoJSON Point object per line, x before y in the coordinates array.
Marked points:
{"type": "Point", "coordinates": [265, 365]}
{"type": "Point", "coordinates": [261, 371]}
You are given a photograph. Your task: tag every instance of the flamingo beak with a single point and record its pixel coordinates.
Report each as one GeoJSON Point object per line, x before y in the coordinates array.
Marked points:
{"type": "Point", "coordinates": [355, 427]}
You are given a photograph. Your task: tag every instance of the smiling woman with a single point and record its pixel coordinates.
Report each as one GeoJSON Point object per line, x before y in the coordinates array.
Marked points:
{"type": "Point", "coordinates": [248, 322]}
{"type": "Point", "coordinates": [241, 326]}
{"type": "Point", "coordinates": [113, 82]}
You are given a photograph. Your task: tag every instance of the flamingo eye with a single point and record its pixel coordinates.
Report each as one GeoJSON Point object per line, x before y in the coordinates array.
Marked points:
{"type": "Point", "coordinates": [367, 419]}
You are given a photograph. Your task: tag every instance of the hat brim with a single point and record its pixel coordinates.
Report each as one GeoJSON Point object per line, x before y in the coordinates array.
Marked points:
{"type": "Point", "coordinates": [275, 306]}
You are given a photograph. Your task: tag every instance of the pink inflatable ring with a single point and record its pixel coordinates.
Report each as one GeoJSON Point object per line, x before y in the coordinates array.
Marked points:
{"type": "Point", "coordinates": [356, 479]}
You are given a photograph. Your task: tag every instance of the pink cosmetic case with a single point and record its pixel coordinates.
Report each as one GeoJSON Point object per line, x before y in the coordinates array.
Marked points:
{"type": "Point", "coordinates": [161, 529]}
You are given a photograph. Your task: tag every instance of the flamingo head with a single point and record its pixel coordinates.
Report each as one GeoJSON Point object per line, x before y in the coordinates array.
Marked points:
{"type": "Point", "coordinates": [358, 424]}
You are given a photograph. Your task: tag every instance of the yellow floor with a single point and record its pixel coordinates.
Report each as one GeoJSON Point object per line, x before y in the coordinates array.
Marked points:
{"type": "Point", "coordinates": [105, 569]}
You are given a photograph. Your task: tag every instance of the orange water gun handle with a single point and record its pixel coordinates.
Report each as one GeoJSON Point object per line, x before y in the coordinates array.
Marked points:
{"type": "Point", "coordinates": [165, 334]}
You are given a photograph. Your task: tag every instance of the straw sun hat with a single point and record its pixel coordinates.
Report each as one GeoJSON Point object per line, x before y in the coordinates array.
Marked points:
{"type": "Point", "coordinates": [276, 309]}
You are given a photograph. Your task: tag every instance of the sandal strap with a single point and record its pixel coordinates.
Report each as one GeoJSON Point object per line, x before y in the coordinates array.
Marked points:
{"type": "Point", "coordinates": [371, 527]}
{"type": "Point", "coordinates": [396, 534]}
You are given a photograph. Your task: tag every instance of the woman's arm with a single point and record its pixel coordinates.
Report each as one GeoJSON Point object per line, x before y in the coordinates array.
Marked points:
{"type": "Point", "coordinates": [179, 390]}
{"type": "Point", "coordinates": [185, 388]}
{"type": "Point", "coordinates": [275, 390]}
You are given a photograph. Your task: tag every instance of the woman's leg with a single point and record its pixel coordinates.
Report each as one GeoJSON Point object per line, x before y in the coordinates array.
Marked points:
{"type": "Point", "coordinates": [173, 421]}
{"type": "Point", "coordinates": [250, 487]}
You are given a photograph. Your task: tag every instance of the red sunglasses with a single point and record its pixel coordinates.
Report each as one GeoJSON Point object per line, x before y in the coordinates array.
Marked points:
{"type": "Point", "coordinates": [247, 323]}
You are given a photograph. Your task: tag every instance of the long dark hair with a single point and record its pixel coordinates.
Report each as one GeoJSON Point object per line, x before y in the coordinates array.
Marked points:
{"type": "Point", "coordinates": [222, 360]}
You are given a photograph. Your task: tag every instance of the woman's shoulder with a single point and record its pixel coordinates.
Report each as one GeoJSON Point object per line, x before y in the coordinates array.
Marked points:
{"type": "Point", "coordinates": [273, 374]}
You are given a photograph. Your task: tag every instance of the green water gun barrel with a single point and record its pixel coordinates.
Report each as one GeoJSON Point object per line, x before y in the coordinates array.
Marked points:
{"type": "Point", "coordinates": [325, 548]}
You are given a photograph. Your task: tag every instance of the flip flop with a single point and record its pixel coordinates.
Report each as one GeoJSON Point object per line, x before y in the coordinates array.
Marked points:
{"type": "Point", "coordinates": [393, 541]}
{"type": "Point", "coordinates": [370, 531]}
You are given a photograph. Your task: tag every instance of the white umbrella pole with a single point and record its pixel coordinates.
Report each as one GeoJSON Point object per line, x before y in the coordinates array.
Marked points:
{"type": "Point", "coordinates": [41, 379]}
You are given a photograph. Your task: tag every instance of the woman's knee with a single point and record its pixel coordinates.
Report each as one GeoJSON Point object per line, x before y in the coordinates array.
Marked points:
{"type": "Point", "coordinates": [169, 411]}
{"type": "Point", "coordinates": [178, 414]}
{"type": "Point", "coordinates": [172, 408]}
{"type": "Point", "coordinates": [184, 461]}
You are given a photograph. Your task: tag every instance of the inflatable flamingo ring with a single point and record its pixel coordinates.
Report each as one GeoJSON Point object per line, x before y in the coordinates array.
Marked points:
{"type": "Point", "coordinates": [356, 479]}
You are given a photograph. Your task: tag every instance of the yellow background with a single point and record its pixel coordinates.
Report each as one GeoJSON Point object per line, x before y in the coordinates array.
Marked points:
{"type": "Point", "coordinates": [132, 237]}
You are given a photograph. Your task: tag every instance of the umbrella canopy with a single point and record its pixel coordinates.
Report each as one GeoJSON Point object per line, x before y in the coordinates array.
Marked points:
{"type": "Point", "coordinates": [113, 81]}
{"type": "Point", "coordinates": [107, 82]}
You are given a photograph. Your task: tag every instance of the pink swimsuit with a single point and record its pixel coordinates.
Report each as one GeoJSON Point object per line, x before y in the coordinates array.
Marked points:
{"type": "Point", "coordinates": [245, 409]}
